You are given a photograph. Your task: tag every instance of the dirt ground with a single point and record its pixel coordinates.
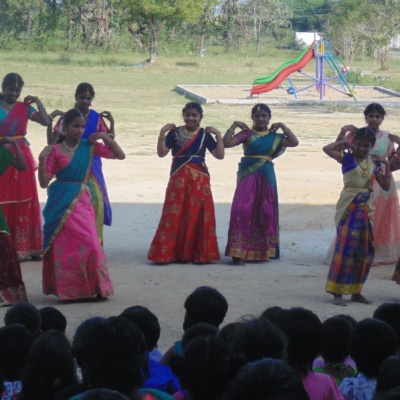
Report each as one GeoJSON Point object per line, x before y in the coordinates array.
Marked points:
{"type": "Point", "coordinates": [309, 184]}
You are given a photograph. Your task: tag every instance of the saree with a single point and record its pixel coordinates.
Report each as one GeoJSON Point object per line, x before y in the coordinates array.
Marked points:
{"type": "Point", "coordinates": [186, 231]}
{"type": "Point", "coordinates": [20, 201]}
{"type": "Point", "coordinates": [12, 288]}
{"type": "Point", "coordinates": [254, 222]}
{"type": "Point", "coordinates": [354, 247]}
{"type": "Point", "coordinates": [74, 264]}
{"type": "Point", "coordinates": [96, 181]}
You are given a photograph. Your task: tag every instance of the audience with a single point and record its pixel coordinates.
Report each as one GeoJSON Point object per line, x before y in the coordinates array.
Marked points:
{"type": "Point", "coordinates": [52, 319]}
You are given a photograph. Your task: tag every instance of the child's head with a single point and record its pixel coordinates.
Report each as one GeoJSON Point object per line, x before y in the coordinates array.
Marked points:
{"type": "Point", "coordinates": [146, 321]}
{"type": "Point", "coordinates": [199, 330]}
{"type": "Point", "coordinates": [266, 379]}
{"type": "Point", "coordinates": [227, 332]}
{"type": "Point", "coordinates": [335, 339]}
{"type": "Point", "coordinates": [205, 368]}
{"type": "Point", "coordinates": [192, 106]}
{"type": "Point", "coordinates": [271, 313]}
{"type": "Point", "coordinates": [389, 374]}
{"type": "Point", "coordinates": [205, 304]}
{"type": "Point", "coordinates": [364, 141]}
{"type": "Point", "coordinates": [12, 81]}
{"type": "Point", "coordinates": [25, 314]}
{"type": "Point", "coordinates": [102, 394]}
{"type": "Point", "coordinates": [84, 89]}
{"type": "Point", "coordinates": [50, 367]}
{"type": "Point", "coordinates": [257, 338]}
{"type": "Point", "coordinates": [53, 319]}
{"type": "Point", "coordinates": [390, 313]}
{"type": "Point", "coordinates": [374, 108]}
{"type": "Point", "coordinates": [303, 329]}
{"type": "Point", "coordinates": [370, 343]}
{"type": "Point", "coordinates": [112, 354]}
{"type": "Point", "coordinates": [392, 394]}
{"type": "Point", "coordinates": [15, 343]}
{"type": "Point", "coordinates": [261, 107]}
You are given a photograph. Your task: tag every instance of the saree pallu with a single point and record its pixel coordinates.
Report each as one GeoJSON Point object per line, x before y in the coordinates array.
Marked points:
{"type": "Point", "coordinates": [186, 231]}
{"type": "Point", "coordinates": [20, 202]}
{"type": "Point", "coordinates": [74, 264]}
{"type": "Point", "coordinates": [254, 224]}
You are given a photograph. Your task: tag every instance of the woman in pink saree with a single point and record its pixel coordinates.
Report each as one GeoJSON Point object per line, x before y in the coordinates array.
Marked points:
{"type": "Point", "coordinates": [74, 264]}
{"type": "Point", "coordinates": [20, 201]}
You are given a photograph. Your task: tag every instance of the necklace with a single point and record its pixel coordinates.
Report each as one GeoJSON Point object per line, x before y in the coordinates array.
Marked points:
{"type": "Point", "coordinates": [189, 133]}
{"type": "Point", "coordinates": [261, 133]}
{"type": "Point", "coordinates": [364, 167]}
{"type": "Point", "coordinates": [70, 151]}
{"type": "Point", "coordinates": [6, 106]}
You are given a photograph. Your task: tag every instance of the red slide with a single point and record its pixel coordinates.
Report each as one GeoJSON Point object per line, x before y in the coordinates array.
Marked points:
{"type": "Point", "coordinates": [257, 89]}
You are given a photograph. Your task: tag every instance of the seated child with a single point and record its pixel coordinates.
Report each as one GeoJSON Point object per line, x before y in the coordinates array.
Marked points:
{"type": "Point", "coordinates": [25, 314]}
{"type": "Point", "coordinates": [52, 319]}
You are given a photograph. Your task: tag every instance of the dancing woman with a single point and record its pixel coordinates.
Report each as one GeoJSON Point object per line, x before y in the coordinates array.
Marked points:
{"type": "Point", "coordinates": [186, 231]}
{"type": "Point", "coordinates": [354, 248]}
{"type": "Point", "coordinates": [254, 225]}
{"type": "Point", "coordinates": [74, 264]}
{"type": "Point", "coordinates": [20, 201]}
{"type": "Point", "coordinates": [84, 95]}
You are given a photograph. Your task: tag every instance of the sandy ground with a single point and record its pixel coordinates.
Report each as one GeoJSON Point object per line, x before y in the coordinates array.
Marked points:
{"type": "Point", "coordinates": [309, 185]}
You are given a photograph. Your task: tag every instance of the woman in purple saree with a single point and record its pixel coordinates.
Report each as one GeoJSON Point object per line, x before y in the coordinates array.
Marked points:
{"type": "Point", "coordinates": [254, 225]}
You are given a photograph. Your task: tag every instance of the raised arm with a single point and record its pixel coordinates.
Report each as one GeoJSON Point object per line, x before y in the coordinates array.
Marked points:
{"type": "Point", "coordinates": [335, 149]}
{"type": "Point", "coordinates": [41, 117]}
{"type": "Point", "coordinates": [44, 178]}
{"type": "Point", "coordinates": [290, 139]}
{"type": "Point", "coordinates": [162, 149]}
{"type": "Point", "coordinates": [107, 115]}
{"type": "Point", "coordinates": [110, 142]}
{"type": "Point", "coordinates": [52, 135]}
{"type": "Point", "coordinates": [219, 151]}
{"type": "Point", "coordinates": [19, 160]}
{"type": "Point", "coordinates": [384, 179]}
{"type": "Point", "coordinates": [229, 140]}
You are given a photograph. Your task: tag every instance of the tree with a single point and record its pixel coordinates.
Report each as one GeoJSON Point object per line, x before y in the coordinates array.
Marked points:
{"type": "Point", "coordinates": [156, 13]}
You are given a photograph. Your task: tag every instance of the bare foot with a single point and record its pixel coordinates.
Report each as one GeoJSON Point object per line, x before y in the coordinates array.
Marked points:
{"type": "Point", "coordinates": [338, 300]}
{"type": "Point", "coordinates": [237, 261]}
{"type": "Point", "coordinates": [359, 298]}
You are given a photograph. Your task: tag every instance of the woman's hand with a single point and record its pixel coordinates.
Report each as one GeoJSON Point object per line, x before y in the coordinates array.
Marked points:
{"type": "Point", "coordinates": [379, 159]}
{"type": "Point", "coordinates": [56, 113]}
{"type": "Point", "coordinates": [46, 152]}
{"type": "Point", "coordinates": [7, 140]}
{"type": "Point", "coordinates": [394, 138]}
{"type": "Point", "coordinates": [275, 126]}
{"type": "Point", "coordinates": [241, 125]}
{"type": "Point", "coordinates": [348, 128]}
{"type": "Point", "coordinates": [214, 131]}
{"type": "Point", "coordinates": [107, 115]}
{"type": "Point", "coordinates": [97, 136]}
{"type": "Point", "coordinates": [31, 99]}
{"type": "Point", "coordinates": [167, 128]}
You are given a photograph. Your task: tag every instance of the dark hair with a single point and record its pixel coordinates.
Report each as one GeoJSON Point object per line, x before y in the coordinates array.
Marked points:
{"type": "Point", "coordinates": [263, 107]}
{"type": "Point", "coordinates": [205, 304]}
{"type": "Point", "coordinates": [348, 318]}
{"type": "Point", "coordinates": [83, 88]}
{"type": "Point", "coordinates": [102, 394]}
{"type": "Point", "coordinates": [335, 339]}
{"type": "Point", "coordinates": [271, 313]}
{"type": "Point", "coordinates": [374, 107]}
{"type": "Point", "coordinates": [266, 379]}
{"type": "Point", "coordinates": [146, 321]}
{"type": "Point", "coordinates": [12, 79]}
{"type": "Point", "coordinates": [67, 119]}
{"type": "Point", "coordinates": [258, 338]}
{"type": "Point", "coordinates": [193, 105]}
{"type": "Point", "coordinates": [389, 374]}
{"type": "Point", "coordinates": [303, 329]}
{"type": "Point", "coordinates": [370, 343]}
{"type": "Point", "coordinates": [50, 367]}
{"type": "Point", "coordinates": [112, 354]}
{"type": "Point", "coordinates": [199, 330]}
{"type": "Point", "coordinates": [392, 394]}
{"type": "Point", "coordinates": [26, 314]}
{"type": "Point", "coordinates": [205, 367]}
{"type": "Point", "coordinates": [365, 134]}
{"type": "Point", "coordinates": [390, 313]}
{"type": "Point", "coordinates": [52, 319]}
{"type": "Point", "coordinates": [227, 332]}
{"type": "Point", "coordinates": [15, 343]}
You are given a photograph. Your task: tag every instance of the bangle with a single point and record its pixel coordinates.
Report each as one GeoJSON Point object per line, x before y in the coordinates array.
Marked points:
{"type": "Point", "coordinates": [51, 118]}
{"type": "Point", "coordinates": [286, 131]}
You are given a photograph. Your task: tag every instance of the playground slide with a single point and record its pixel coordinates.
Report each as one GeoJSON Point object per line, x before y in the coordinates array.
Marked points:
{"type": "Point", "coordinates": [283, 72]}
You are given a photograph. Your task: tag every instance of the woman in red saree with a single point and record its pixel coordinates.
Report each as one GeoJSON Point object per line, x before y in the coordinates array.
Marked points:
{"type": "Point", "coordinates": [186, 231]}
{"type": "Point", "coordinates": [20, 201]}
{"type": "Point", "coordinates": [12, 288]}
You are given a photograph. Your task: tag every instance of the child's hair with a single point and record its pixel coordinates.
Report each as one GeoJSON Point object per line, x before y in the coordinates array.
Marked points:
{"type": "Point", "coordinates": [15, 343]}
{"type": "Point", "coordinates": [66, 120]}
{"type": "Point", "coordinates": [389, 374]}
{"type": "Point", "coordinates": [266, 379]}
{"type": "Point", "coordinates": [102, 394]}
{"type": "Point", "coordinates": [26, 314]}
{"type": "Point", "coordinates": [50, 367]}
{"type": "Point", "coordinates": [227, 332]}
{"type": "Point", "coordinates": [335, 339]}
{"type": "Point", "coordinates": [146, 321]}
{"type": "Point", "coordinates": [199, 330]}
{"type": "Point", "coordinates": [390, 313]}
{"type": "Point", "coordinates": [303, 329]}
{"type": "Point", "coordinates": [392, 394]}
{"type": "Point", "coordinates": [205, 367]}
{"type": "Point", "coordinates": [52, 319]}
{"type": "Point", "coordinates": [85, 88]}
{"type": "Point", "coordinates": [349, 318]}
{"type": "Point", "coordinates": [258, 338]}
{"type": "Point", "coordinates": [112, 354]}
{"type": "Point", "coordinates": [205, 304]}
{"type": "Point", "coordinates": [271, 313]}
{"type": "Point", "coordinates": [374, 107]}
{"type": "Point", "coordinates": [12, 79]}
{"type": "Point", "coordinates": [370, 343]}
{"type": "Point", "coordinates": [259, 107]}
{"type": "Point", "coordinates": [365, 134]}
{"type": "Point", "coordinates": [193, 105]}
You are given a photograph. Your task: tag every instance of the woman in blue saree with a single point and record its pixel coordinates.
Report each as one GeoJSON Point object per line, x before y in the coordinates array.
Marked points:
{"type": "Point", "coordinates": [84, 96]}
{"type": "Point", "coordinates": [254, 225]}
{"type": "Point", "coordinates": [74, 264]}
